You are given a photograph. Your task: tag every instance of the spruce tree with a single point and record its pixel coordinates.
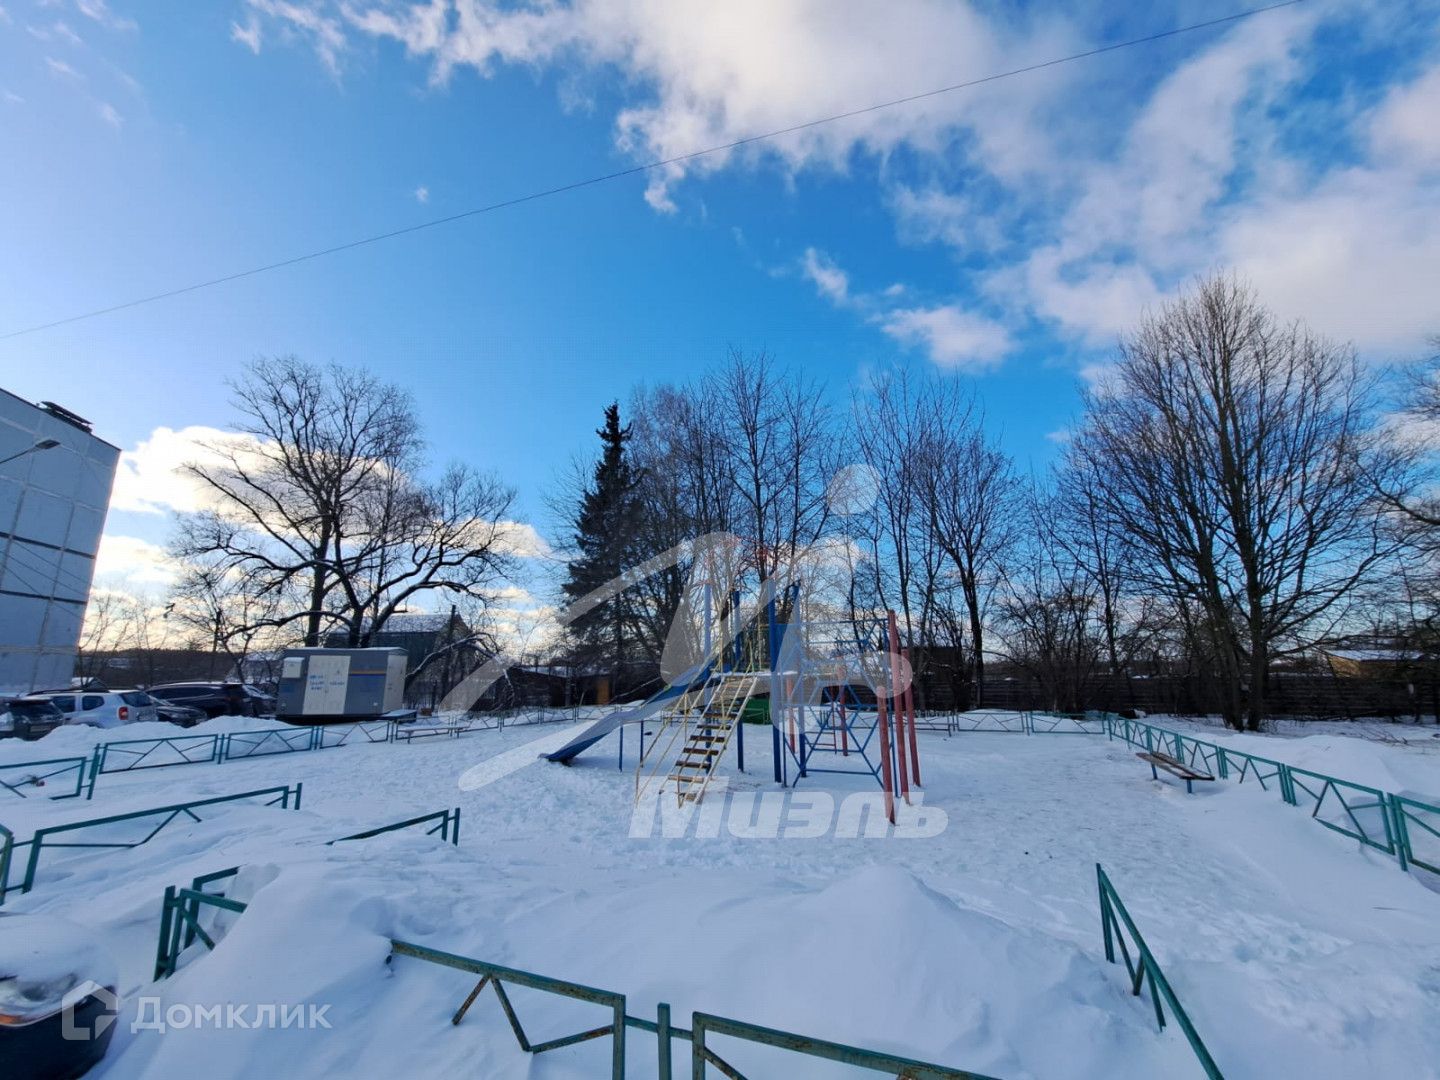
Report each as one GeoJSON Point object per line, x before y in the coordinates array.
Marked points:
{"type": "Point", "coordinates": [605, 539]}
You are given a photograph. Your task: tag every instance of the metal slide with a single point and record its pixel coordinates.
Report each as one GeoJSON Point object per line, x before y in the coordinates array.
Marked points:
{"type": "Point", "coordinates": [690, 680]}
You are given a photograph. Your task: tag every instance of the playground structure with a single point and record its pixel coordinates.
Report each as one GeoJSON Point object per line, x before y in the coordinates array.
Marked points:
{"type": "Point", "coordinates": [836, 692]}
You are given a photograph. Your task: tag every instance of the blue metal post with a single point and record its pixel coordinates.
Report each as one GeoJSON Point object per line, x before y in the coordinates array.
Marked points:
{"type": "Point", "coordinates": [775, 737]}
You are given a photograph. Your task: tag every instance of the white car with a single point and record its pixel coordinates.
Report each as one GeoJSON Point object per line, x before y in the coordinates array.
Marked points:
{"type": "Point", "coordinates": [105, 708]}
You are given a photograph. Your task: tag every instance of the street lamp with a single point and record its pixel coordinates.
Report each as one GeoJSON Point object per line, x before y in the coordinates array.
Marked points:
{"type": "Point", "coordinates": [43, 444]}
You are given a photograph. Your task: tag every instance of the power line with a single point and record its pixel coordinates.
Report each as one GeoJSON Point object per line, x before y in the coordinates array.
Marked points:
{"type": "Point", "coordinates": [647, 167]}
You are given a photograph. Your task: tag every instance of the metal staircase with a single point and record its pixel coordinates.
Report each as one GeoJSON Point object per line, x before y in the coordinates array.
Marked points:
{"type": "Point", "coordinates": [701, 724]}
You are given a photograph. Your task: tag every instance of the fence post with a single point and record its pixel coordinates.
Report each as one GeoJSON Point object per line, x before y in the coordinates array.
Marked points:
{"type": "Point", "coordinates": [662, 1037]}
{"type": "Point", "coordinates": [1396, 815]}
{"type": "Point", "coordinates": [617, 1057]}
{"type": "Point", "coordinates": [162, 947]}
{"type": "Point", "coordinates": [697, 1048]}
{"type": "Point", "coordinates": [1105, 915]}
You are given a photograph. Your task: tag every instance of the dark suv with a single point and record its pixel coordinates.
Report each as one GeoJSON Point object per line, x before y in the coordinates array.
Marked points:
{"type": "Point", "coordinates": [217, 698]}
{"type": "Point", "coordinates": [28, 717]}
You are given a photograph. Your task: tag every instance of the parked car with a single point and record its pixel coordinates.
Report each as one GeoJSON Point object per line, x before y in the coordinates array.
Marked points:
{"type": "Point", "coordinates": [109, 709]}
{"type": "Point", "coordinates": [173, 712]}
{"type": "Point", "coordinates": [28, 718]}
{"type": "Point", "coordinates": [57, 997]}
{"type": "Point", "coordinates": [217, 698]}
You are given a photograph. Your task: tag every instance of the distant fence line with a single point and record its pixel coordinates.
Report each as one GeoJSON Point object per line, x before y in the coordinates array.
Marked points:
{"type": "Point", "coordinates": [1300, 696]}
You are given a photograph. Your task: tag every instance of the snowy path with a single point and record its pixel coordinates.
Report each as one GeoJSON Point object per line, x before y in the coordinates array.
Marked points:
{"type": "Point", "coordinates": [1295, 951]}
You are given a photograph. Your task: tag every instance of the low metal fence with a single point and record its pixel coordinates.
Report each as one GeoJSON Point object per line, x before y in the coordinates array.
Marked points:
{"type": "Point", "coordinates": [247, 744]}
{"type": "Point", "coordinates": [991, 721]}
{"type": "Point", "coordinates": [1353, 810]}
{"type": "Point", "coordinates": [703, 1053]}
{"type": "Point", "coordinates": [126, 755]}
{"type": "Point", "coordinates": [1417, 832]}
{"type": "Point", "coordinates": [182, 924]}
{"type": "Point", "coordinates": [1116, 925]}
{"type": "Point", "coordinates": [1090, 723]}
{"type": "Point", "coordinates": [38, 774]}
{"type": "Point", "coordinates": [446, 824]}
{"type": "Point", "coordinates": [180, 919]}
{"type": "Point", "coordinates": [7, 849]}
{"type": "Point", "coordinates": [1390, 823]}
{"type": "Point", "coordinates": [44, 838]}
{"type": "Point", "coordinates": [374, 731]}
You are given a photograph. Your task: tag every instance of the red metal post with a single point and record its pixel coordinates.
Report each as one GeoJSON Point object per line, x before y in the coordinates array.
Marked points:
{"type": "Point", "coordinates": [910, 712]}
{"type": "Point", "coordinates": [887, 778]}
{"type": "Point", "coordinates": [898, 699]}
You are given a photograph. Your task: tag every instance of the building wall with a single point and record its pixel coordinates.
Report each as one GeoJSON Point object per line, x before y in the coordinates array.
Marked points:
{"type": "Point", "coordinates": [52, 512]}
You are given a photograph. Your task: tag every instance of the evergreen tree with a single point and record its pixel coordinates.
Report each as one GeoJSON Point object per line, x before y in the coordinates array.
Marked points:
{"type": "Point", "coordinates": [606, 528]}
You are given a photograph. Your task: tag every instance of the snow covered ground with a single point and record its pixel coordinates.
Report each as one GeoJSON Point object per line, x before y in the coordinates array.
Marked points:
{"type": "Point", "coordinates": [1295, 951]}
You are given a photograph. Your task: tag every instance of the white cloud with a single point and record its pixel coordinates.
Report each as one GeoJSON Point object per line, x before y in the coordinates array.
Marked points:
{"type": "Point", "coordinates": [58, 30]}
{"type": "Point", "coordinates": [149, 478]}
{"type": "Point", "coordinates": [422, 194]}
{"type": "Point", "coordinates": [61, 69]}
{"type": "Point", "coordinates": [129, 563]}
{"type": "Point", "coordinates": [303, 20]}
{"type": "Point", "coordinates": [248, 35]}
{"type": "Point", "coordinates": [712, 74]}
{"type": "Point", "coordinates": [953, 338]}
{"type": "Point", "coordinates": [1077, 196]}
{"type": "Point", "coordinates": [522, 539]}
{"type": "Point", "coordinates": [1407, 124]}
{"type": "Point", "coordinates": [110, 115]}
{"type": "Point", "coordinates": [100, 11]}
{"type": "Point", "coordinates": [11, 98]}
{"type": "Point", "coordinates": [830, 281]}
{"type": "Point", "coordinates": [933, 215]}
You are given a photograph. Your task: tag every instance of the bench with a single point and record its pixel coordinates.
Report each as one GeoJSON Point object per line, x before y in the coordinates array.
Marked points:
{"type": "Point", "coordinates": [412, 731]}
{"type": "Point", "coordinates": [1174, 767]}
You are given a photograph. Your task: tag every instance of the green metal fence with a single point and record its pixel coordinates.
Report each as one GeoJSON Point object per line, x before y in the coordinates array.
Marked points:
{"type": "Point", "coordinates": [447, 825]}
{"type": "Point", "coordinates": [1417, 833]}
{"type": "Point", "coordinates": [125, 755]}
{"type": "Point", "coordinates": [38, 774]}
{"type": "Point", "coordinates": [7, 849]}
{"type": "Point", "coordinates": [1116, 926]}
{"type": "Point", "coordinates": [1353, 810]}
{"type": "Point", "coordinates": [707, 1025]}
{"type": "Point", "coordinates": [247, 744]}
{"type": "Point", "coordinates": [1088, 723]}
{"type": "Point", "coordinates": [374, 731]}
{"type": "Point", "coordinates": [996, 721]}
{"type": "Point", "coordinates": [182, 924]}
{"type": "Point", "coordinates": [286, 797]}
{"type": "Point", "coordinates": [1389, 823]}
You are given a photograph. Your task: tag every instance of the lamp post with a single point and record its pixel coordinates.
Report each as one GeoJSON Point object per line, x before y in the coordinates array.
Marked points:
{"type": "Point", "coordinates": [43, 444]}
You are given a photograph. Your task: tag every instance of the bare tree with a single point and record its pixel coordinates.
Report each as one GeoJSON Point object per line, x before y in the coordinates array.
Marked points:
{"type": "Point", "coordinates": [290, 494]}
{"type": "Point", "coordinates": [321, 498]}
{"type": "Point", "coordinates": [778, 435]}
{"type": "Point", "coordinates": [974, 503]}
{"type": "Point", "coordinates": [1236, 454]}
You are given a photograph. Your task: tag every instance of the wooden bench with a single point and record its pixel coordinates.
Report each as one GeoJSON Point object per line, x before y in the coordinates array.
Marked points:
{"type": "Point", "coordinates": [1174, 767]}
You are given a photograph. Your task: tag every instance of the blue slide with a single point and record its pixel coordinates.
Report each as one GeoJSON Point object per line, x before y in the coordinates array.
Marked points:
{"type": "Point", "coordinates": [690, 680]}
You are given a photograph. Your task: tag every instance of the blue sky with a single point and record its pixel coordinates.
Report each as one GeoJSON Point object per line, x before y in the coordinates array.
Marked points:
{"type": "Point", "coordinates": [1005, 234]}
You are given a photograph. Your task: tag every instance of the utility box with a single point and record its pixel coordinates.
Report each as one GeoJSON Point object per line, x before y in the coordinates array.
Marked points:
{"type": "Point", "coordinates": [332, 686]}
